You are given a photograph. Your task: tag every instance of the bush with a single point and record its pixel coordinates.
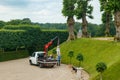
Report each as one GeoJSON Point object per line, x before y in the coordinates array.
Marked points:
{"type": "Point", "coordinates": [31, 37]}
{"type": "Point", "coordinates": [5, 56]}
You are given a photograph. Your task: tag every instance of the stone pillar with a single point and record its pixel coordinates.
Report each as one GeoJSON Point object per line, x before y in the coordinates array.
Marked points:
{"type": "Point", "coordinates": [79, 73]}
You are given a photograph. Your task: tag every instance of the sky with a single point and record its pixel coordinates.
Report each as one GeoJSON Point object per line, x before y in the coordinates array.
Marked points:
{"type": "Point", "coordinates": [41, 11]}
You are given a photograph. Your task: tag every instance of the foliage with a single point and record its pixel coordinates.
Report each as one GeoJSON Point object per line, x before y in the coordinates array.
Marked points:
{"type": "Point", "coordinates": [100, 67]}
{"type": "Point", "coordinates": [26, 21]}
{"type": "Point", "coordinates": [54, 51]}
{"type": "Point", "coordinates": [55, 26]}
{"type": "Point", "coordinates": [84, 9]}
{"type": "Point", "coordinates": [69, 12]}
{"type": "Point", "coordinates": [21, 27]}
{"type": "Point", "coordinates": [71, 55]}
{"type": "Point", "coordinates": [2, 24]}
{"type": "Point", "coordinates": [31, 37]}
{"type": "Point", "coordinates": [46, 36]}
{"type": "Point", "coordinates": [68, 8]}
{"type": "Point", "coordinates": [10, 39]}
{"type": "Point", "coordinates": [5, 56]}
{"type": "Point", "coordinates": [19, 22]}
{"type": "Point", "coordinates": [106, 16]}
{"type": "Point", "coordinates": [93, 29]}
{"type": "Point", "coordinates": [22, 35]}
{"type": "Point", "coordinates": [101, 28]}
{"type": "Point", "coordinates": [113, 6]}
{"type": "Point", "coordinates": [14, 22]}
{"type": "Point", "coordinates": [79, 58]}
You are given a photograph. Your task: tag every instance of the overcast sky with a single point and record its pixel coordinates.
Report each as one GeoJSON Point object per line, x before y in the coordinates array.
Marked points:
{"type": "Point", "coordinates": [42, 11]}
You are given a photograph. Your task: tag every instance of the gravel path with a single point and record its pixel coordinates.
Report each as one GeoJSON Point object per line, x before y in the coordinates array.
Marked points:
{"type": "Point", "coordinates": [105, 38]}
{"type": "Point", "coordinates": [21, 70]}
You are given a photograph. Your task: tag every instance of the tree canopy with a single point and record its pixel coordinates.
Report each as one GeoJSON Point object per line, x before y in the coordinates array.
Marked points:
{"type": "Point", "coordinates": [84, 9]}
{"type": "Point", "coordinates": [69, 8]}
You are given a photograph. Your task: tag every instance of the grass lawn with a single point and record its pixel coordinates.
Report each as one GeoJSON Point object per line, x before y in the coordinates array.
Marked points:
{"type": "Point", "coordinates": [94, 51]}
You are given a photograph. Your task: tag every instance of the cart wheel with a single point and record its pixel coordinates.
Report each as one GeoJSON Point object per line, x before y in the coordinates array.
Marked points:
{"type": "Point", "coordinates": [41, 65]}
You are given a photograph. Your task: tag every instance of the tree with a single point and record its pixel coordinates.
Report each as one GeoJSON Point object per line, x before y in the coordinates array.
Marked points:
{"type": "Point", "coordinates": [26, 21]}
{"type": "Point", "coordinates": [114, 7]}
{"type": "Point", "coordinates": [69, 12]}
{"type": "Point", "coordinates": [80, 58]}
{"type": "Point", "coordinates": [14, 22]}
{"type": "Point", "coordinates": [106, 16]}
{"type": "Point", "coordinates": [83, 10]}
{"type": "Point", "coordinates": [107, 19]}
{"type": "Point", "coordinates": [2, 24]}
{"type": "Point", "coordinates": [71, 55]}
{"type": "Point", "coordinates": [101, 67]}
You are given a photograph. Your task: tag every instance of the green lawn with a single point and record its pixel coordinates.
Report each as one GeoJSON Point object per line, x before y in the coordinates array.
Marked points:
{"type": "Point", "coordinates": [95, 51]}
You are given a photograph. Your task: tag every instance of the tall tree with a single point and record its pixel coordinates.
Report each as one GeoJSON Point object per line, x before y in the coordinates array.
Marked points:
{"type": "Point", "coordinates": [114, 7]}
{"type": "Point", "coordinates": [116, 10]}
{"type": "Point", "coordinates": [107, 19]}
{"type": "Point", "coordinates": [106, 16]}
{"type": "Point", "coordinates": [69, 12]}
{"type": "Point", "coordinates": [83, 10]}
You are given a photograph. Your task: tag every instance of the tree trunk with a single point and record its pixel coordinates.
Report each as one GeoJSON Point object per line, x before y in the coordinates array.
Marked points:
{"type": "Point", "coordinates": [70, 23]}
{"type": "Point", "coordinates": [100, 76]}
{"type": "Point", "coordinates": [117, 25]}
{"type": "Point", "coordinates": [79, 63]}
{"type": "Point", "coordinates": [107, 31]}
{"type": "Point", "coordinates": [84, 26]}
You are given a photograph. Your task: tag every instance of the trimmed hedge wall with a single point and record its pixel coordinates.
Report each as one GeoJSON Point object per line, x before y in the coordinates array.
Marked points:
{"type": "Point", "coordinates": [13, 55]}
{"type": "Point", "coordinates": [30, 37]}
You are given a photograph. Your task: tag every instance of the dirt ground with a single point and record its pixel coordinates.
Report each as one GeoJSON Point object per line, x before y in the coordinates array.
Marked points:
{"type": "Point", "coordinates": [21, 70]}
{"type": "Point", "coordinates": [105, 38]}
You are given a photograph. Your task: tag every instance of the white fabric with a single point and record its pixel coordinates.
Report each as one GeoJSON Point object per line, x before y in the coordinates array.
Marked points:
{"type": "Point", "coordinates": [58, 51]}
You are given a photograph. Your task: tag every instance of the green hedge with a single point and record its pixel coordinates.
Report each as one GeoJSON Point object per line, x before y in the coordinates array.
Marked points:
{"type": "Point", "coordinates": [10, 38]}
{"type": "Point", "coordinates": [21, 27]}
{"type": "Point", "coordinates": [5, 56]}
{"type": "Point", "coordinates": [15, 36]}
{"type": "Point", "coordinates": [31, 37]}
